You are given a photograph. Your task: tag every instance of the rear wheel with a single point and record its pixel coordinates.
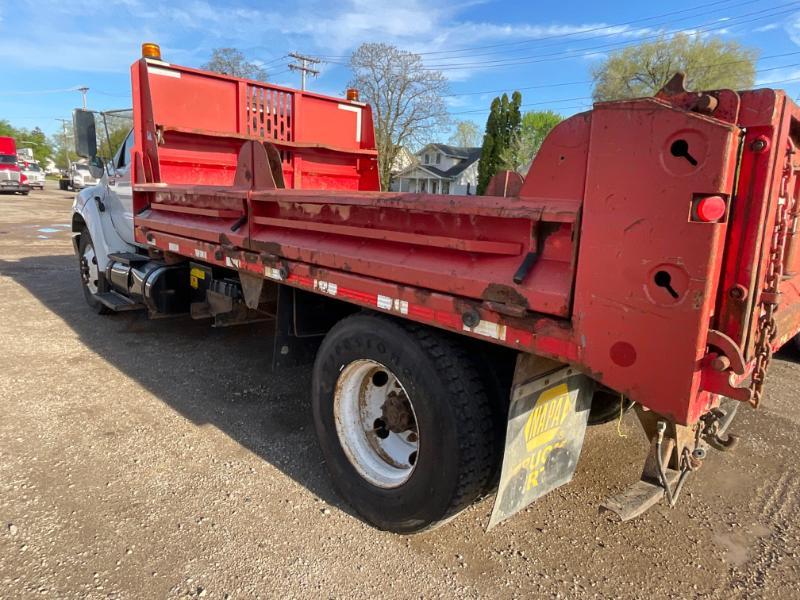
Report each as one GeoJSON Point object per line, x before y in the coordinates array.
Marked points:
{"type": "Point", "coordinates": [92, 280]}
{"type": "Point", "coordinates": [403, 420]}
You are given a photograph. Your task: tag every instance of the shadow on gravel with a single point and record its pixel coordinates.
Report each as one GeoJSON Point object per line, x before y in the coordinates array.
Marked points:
{"type": "Point", "coordinates": [220, 377]}
{"type": "Point", "coordinates": [790, 352]}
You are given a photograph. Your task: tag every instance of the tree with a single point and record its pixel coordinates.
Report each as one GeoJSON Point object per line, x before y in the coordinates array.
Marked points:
{"type": "Point", "coordinates": [642, 70]}
{"type": "Point", "coordinates": [35, 139]}
{"type": "Point", "coordinates": [525, 145]}
{"type": "Point", "coordinates": [502, 126]}
{"type": "Point", "coordinates": [63, 149]}
{"type": "Point", "coordinates": [466, 135]}
{"type": "Point", "coordinates": [407, 100]}
{"type": "Point", "coordinates": [230, 61]}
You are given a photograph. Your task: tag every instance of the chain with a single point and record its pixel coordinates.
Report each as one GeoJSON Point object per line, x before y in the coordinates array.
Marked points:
{"type": "Point", "coordinates": [767, 328]}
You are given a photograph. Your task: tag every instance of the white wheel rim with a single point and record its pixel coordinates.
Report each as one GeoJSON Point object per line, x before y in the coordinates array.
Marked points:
{"type": "Point", "coordinates": [376, 423]}
{"type": "Point", "coordinates": [90, 272]}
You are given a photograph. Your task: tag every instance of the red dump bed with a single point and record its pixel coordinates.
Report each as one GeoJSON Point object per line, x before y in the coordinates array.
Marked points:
{"type": "Point", "coordinates": [599, 260]}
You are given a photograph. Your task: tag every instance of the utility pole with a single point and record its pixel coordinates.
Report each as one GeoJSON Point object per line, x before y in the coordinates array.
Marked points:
{"type": "Point", "coordinates": [83, 91]}
{"type": "Point", "coordinates": [303, 67]}
{"type": "Point", "coordinates": [66, 143]}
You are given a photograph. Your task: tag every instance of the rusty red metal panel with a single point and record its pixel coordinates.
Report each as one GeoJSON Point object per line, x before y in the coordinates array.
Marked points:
{"type": "Point", "coordinates": [197, 120]}
{"type": "Point", "coordinates": [647, 275]}
{"type": "Point", "coordinates": [768, 177]}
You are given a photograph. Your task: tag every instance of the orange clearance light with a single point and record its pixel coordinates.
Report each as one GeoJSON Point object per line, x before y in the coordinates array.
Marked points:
{"type": "Point", "coordinates": [352, 94]}
{"type": "Point", "coordinates": [710, 209]}
{"type": "Point", "coordinates": [151, 50]}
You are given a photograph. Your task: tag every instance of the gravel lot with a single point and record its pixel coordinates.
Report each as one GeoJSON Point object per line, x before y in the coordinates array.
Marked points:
{"type": "Point", "coordinates": [163, 459]}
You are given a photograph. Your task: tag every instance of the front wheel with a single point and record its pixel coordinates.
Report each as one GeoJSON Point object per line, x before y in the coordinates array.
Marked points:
{"type": "Point", "coordinates": [403, 420]}
{"type": "Point", "coordinates": [92, 280]}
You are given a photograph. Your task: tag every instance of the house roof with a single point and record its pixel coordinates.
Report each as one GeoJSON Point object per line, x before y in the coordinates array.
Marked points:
{"type": "Point", "coordinates": [455, 151]}
{"type": "Point", "coordinates": [468, 157]}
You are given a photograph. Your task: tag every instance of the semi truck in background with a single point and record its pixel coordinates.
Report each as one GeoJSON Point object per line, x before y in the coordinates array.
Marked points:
{"type": "Point", "coordinates": [30, 168]}
{"type": "Point", "coordinates": [12, 179]}
{"type": "Point", "coordinates": [462, 345]}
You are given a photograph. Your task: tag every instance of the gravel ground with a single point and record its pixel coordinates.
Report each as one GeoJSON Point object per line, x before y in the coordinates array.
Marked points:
{"type": "Point", "coordinates": [163, 459]}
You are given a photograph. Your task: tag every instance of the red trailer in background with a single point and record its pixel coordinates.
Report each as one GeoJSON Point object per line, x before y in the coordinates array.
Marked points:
{"type": "Point", "coordinates": [649, 257]}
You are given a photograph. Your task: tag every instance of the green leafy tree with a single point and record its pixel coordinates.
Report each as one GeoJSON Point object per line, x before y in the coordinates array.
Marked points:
{"type": "Point", "coordinates": [526, 143]}
{"type": "Point", "coordinates": [63, 150]}
{"type": "Point", "coordinates": [466, 135]}
{"type": "Point", "coordinates": [35, 139]}
{"type": "Point", "coordinates": [231, 61]}
{"type": "Point", "coordinates": [642, 70]}
{"type": "Point", "coordinates": [6, 130]}
{"type": "Point", "coordinates": [502, 126]}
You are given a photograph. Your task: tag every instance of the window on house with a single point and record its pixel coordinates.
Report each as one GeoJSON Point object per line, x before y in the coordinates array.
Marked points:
{"type": "Point", "coordinates": [445, 187]}
{"type": "Point", "coordinates": [438, 158]}
{"type": "Point", "coordinates": [427, 159]}
{"type": "Point", "coordinates": [434, 187]}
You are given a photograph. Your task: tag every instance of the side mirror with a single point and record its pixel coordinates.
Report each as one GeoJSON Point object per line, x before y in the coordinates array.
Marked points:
{"type": "Point", "coordinates": [85, 133]}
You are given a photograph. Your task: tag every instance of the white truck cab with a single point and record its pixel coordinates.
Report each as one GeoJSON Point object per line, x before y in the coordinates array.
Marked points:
{"type": "Point", "coordinates": [105, 212]}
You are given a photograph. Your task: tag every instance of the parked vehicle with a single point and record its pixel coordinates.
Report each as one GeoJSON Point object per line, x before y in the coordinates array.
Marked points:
{"type": "Point", "coordinates": [34, 175]}
{"type": "Point", "coordinates": [12, 180]}
{"type": "Point", "coordinates": [77, 177]}
{"type": "Point", "coordinates": [462, 344]}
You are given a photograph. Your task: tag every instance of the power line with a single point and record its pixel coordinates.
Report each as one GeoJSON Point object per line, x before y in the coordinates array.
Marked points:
{"type": "Point", "coordinates": [304, 67]}
{"type": "Point", "coordinates": [587, 82]}
{"type": "Point", "coordinates": [36, 93]}
{"type": "Point", "coordinates": [581, 52]}
{"type": "Point", "coordinates": [736, 21]}
{"type": "Point", "coordinates": [542, 102]}
{"type": "Point", "coordinates": [574, 33]}
{"type": "Point", "coordinates": [630, 33]}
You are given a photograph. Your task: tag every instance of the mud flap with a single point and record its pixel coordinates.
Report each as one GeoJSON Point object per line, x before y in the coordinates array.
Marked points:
{"type": "Point", "coordinates": [547, 420]}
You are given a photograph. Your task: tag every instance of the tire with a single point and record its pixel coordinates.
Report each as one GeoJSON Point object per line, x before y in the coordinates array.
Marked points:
{"type": "Point", "coordinates": [606, 406]}
{"type": "Point", "coordinates": [450, 410]}
{"type": "Point", "coordinates": [89, 294]}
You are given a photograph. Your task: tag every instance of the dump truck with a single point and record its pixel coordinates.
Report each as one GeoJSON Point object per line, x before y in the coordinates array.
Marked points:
{"type": "Point", "coordinates": [460, 345]}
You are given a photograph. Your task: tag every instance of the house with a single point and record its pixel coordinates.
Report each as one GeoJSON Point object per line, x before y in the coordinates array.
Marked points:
{"type": "Point", "coordinates": [440, 169]}
{"type": "Point", "coordinates": [402, 160]}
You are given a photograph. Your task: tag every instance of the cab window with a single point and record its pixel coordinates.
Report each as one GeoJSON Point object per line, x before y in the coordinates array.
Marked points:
{"type": "Point", "coordinates": [123, 158]}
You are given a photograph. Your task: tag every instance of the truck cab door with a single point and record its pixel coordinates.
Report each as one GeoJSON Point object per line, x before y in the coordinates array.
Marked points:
{"type": "Point", "coordinates": [119, 192]}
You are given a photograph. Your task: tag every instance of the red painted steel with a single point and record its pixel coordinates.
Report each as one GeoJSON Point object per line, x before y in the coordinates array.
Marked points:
{"type": "Point", "coordinates": [600, 260]}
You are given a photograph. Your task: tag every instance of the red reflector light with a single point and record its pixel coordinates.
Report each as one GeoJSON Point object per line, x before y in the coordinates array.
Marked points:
{"type": "Point", "coordinates": [710, 209]}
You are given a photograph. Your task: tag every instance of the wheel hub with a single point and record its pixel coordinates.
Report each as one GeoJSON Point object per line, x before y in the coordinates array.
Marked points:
{"type": "Point", "coordinates": [90, 274]}
{"type": "Point", "coordinates": [376, 423]}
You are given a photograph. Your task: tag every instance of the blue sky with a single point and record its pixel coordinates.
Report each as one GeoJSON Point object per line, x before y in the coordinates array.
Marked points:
{"type": "Point", "coordinates": [48, 47]}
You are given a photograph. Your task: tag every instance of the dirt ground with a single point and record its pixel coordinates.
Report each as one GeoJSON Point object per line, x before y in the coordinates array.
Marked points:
{"type": "Point", "coordinates": [163, 459]}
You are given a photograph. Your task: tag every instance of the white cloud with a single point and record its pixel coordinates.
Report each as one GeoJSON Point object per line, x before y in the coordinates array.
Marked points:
{"type": "Point", "coordinates": [768, 27]}
{"type": "Point", "coordinates": [60, 33]}
{"type": "Point", "coordinates": [792, 27]}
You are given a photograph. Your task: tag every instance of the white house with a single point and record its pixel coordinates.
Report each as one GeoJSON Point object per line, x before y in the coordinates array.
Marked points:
{"type": "Point", "coordinates": [402, 160]}
{"type": "Point", "coordinates": [440, 169]}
